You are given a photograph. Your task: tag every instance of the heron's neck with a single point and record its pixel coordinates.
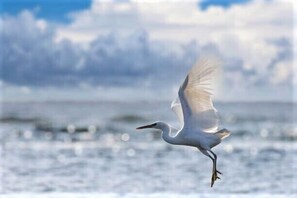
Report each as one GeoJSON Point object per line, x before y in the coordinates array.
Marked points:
{"type": "Point", "coordinates": [166, 135]}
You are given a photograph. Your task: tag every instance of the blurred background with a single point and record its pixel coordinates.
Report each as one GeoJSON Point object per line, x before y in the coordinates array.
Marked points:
{"type": "Point", "coordinates": [77, 78]}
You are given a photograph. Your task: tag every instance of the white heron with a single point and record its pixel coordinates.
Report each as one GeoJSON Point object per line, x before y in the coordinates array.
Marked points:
{"type": "Point", "coordinates": [195, 111]}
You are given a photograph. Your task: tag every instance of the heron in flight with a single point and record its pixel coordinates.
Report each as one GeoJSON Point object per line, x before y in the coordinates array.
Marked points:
{"type": "Point", "coordinates": [195, 111]}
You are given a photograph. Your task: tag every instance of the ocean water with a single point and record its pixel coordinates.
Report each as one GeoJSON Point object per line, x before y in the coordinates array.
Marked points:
{"type": "Point", "coordinates": [91, 149]}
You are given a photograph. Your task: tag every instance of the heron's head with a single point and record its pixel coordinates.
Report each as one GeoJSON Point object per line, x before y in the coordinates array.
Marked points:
{"type": "Point", "coordinates": [156, 125]}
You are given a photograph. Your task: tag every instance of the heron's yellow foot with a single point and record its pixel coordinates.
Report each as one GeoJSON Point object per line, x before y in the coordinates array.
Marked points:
{"type": "Point", "coordinates": [214, 177]}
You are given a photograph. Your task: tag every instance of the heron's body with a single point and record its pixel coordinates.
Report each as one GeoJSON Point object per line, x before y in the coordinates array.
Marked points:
{"type": "Point", "coordinates": [191, 138]}
{"type": "Point", "coordinates": [201, 140]}
{"type": "Point", "coordinates": [195, 110]}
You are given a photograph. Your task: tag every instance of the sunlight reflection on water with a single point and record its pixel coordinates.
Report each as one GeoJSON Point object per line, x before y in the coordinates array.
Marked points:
{"type": "Point", "coordinates": [78, 154]}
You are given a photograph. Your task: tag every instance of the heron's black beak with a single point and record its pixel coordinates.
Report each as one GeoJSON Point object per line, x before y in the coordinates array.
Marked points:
{"type": "Point", "coordinates": [147, 126]}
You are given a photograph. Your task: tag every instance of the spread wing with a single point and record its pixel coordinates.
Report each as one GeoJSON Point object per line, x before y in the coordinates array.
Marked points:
{"type": "Point", "coordinates": [194, 105]}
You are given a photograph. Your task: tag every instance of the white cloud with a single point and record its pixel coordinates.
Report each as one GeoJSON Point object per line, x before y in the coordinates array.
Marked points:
{"type": "Point", "coordinates": [140, 43]}
{"type": "Point", "coordinates": [33, 58]}
{"type": "Point", "coordinates": [41, 24]}
{"type": "Point", "coordinates": [245, 32]}
{"type": "Point", "coordinates": [25, 90]}
{"type": "Point", "coordinates": [255, 19]}
{"type": "Point", "coordinates": [282, 72]}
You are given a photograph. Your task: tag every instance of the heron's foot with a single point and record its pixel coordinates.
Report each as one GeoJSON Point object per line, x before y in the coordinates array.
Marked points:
{"type": "Point", "coordinates": [214, 177]}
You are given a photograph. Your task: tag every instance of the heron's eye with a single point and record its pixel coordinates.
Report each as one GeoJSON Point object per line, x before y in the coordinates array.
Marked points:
{"type": "Point", "coordinates": [155, 124]}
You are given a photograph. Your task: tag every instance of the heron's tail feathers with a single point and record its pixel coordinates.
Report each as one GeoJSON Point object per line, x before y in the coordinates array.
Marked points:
{"type": "Point", "coordinates": [223, 133]}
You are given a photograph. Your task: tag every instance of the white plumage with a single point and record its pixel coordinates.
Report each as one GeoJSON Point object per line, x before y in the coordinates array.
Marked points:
{"type": "Point", "coordinates": [196, 113]}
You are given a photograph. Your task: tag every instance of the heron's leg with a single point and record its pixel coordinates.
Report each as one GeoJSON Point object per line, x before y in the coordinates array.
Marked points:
{"type": "Point", "coordinates": [215, 171]}
{"type": "Point", "coordinates": [214, 176]}
{"type": "Point", "coordinates": [215, 161]}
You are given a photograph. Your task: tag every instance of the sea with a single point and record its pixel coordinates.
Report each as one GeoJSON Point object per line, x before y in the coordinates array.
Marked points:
{"type": "Point", "coordinates": [92, 149]}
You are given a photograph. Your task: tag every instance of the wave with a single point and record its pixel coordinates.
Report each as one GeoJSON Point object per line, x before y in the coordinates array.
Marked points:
{"type": "Point", "coordinates": [18, 119]}
{"type": "Point", "coordinates": [282, 134]}
{"type": "Point", "coordinates": [288, 136]}
{"type": "Point", "coordinates": [129, 118]}
{"type": "Point", "coordinates": [256, 119]}
{"type": "Point", "coordinates": [70, 128]}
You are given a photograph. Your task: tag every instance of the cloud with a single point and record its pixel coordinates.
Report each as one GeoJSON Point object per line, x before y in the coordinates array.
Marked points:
{"type": "Point", "coordinates": [246, 34]}
{"type": "Point", "coordinates": [182, 21]}
{"type": "Point", "coordinates": [151, 45]}
{"type": "Point", "coordinates": [33, 58]}
{"type": "Point", "coordinates": [30, 57]}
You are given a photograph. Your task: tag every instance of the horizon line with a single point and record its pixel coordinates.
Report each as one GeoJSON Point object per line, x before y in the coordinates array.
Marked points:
{"type": "Point", "coordinates": [135, 101]}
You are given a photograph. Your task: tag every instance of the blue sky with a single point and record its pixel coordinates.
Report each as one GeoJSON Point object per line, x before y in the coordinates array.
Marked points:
{"type": "Point", "coordinates": [140, 50]}
{"type": "Point", "coordinates": [55, 10]}
{"type": "Point", "coordinates": [223, 3]}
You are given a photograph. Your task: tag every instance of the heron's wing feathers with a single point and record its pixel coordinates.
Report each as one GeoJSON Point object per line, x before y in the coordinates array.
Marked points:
{"type": "Point", "coordinates": [195, 96]}
{"type": "Point", "coordinates": [177, 109]}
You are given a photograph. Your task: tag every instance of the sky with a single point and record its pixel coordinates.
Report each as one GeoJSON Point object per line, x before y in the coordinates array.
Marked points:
{"type": "Point", "coordinates": [141, 50]}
